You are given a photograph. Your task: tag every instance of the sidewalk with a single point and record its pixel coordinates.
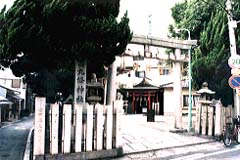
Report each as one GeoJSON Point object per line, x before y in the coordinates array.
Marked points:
{"type": "Point", "coordinates": [142, 136]}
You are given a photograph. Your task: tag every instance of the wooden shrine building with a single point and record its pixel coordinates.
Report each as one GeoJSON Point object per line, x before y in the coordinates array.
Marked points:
{"type": "Point", "coordinates": [141, 97]}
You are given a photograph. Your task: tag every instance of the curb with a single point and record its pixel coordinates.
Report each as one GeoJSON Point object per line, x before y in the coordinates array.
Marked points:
{"type": "Point", "coordinates": [170, 147]}
{"type": "Point", "coordinates": [10, 123]}
{"type": "Point", "coordinates": [28, 145]}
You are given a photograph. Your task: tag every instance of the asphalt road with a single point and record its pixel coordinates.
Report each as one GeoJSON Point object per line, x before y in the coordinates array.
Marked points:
{"type": "Point", "coordinates": [225, 154]}
{"type": "Point", "coordinates": [13, 139]}
{"type": "Point", "coordinates": [208, 151]}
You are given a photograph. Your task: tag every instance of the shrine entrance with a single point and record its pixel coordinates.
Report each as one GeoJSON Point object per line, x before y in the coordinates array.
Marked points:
{"type": "Point", "coordinates": [142, 97]}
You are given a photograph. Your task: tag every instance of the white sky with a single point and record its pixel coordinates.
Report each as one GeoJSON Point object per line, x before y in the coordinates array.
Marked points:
{"type": "Point", "coordinates": [138, 12]}
{"type": "Point", "coordinates": [6, 2]}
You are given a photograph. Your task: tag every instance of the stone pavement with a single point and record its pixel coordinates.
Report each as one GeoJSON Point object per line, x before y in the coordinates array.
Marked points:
{"type": "Point", "coordinates": [141, 136]}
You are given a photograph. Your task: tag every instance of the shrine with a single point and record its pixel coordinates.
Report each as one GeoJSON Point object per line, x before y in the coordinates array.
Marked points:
{"type": "Point", "coordinates": [141, 97]}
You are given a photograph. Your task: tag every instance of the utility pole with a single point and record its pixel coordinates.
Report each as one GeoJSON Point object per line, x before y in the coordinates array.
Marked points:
{"type": "Point", "coordinates": [232, 24]}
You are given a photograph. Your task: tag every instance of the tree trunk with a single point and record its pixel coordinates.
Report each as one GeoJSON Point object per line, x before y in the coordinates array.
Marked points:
{"type": "Point", "coordinates": [112, 86]}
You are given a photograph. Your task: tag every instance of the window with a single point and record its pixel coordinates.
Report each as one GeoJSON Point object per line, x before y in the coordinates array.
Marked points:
{"type": "Point", "coordinates": [194, 100]}
{"type": "Point", "coordinates": [163, 71]}
{"type": "Point", "coordinates": [16, 83]}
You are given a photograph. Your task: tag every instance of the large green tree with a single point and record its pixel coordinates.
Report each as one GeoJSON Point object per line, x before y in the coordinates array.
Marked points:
{"type": "Point", "coordinates": [46, 36]}
{"type": "Point", "coordinates": [207, 22]}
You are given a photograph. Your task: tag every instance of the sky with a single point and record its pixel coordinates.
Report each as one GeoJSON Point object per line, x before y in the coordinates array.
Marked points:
{"type": "Point", "coordinates": [6, 2]}
{"type": "Point", "coordinates": [138, 13]}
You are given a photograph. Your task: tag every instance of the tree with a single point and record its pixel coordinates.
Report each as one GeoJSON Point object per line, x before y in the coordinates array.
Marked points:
{"type": "Point", "coordinates": [43, 36]}
{"type": "Point", "coordinates": [207, 21]}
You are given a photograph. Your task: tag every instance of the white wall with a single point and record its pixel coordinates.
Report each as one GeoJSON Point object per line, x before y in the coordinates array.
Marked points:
{"type": "Point", "coordinates": [169, 105]}
{"type": "Point", "coordinates": [6, 77]}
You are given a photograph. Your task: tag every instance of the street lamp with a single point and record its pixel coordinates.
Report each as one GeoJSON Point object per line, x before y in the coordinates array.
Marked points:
{"type": "Point", "coordinates": [189, 81]}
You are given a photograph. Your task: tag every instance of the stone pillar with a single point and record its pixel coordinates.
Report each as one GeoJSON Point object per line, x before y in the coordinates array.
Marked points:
{"type": "Point", "coordinates": [177, 97]}
{"type": "Point", "coordinates": [79, 128]}
{"type": "Point", "coordinates": [89, 130]}
{"type": "Point", "coordinates": [39, 127]}
{"type": "Point", "coordinates": [66, 134]}
{"type": "Point", "coordinates": [118, 123]}
{"type": "Point", "coordinates": [204, 118]}
{"type": "Point", "coordinates": [109, 127]}
{"type": "Point", "coordinates": [100, 122]}
{"type": "Point", "coordinates": [54, 128]}
{"type": "Point", "coordinates": [218, 116]}
{"type": "Point", "coordinates": [198, 117]}
{"type": "Point", "coordinates": [210, 120]}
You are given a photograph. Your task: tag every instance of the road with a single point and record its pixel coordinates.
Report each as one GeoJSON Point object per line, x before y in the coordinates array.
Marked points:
{"type": "Point", "coordinates": [209, 151]}
{"type": "Point", "coordinates": [13, 139]}
{"type": "Point", "coordinates": [144, 140]}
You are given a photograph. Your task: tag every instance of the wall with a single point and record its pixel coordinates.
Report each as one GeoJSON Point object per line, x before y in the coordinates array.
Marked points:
{"type": "Point", "coordinates": [169, 107]}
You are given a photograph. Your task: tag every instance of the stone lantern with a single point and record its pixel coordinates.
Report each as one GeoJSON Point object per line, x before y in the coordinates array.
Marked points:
{"type": "Point", "coordinates": [205, 93]}
{"type": "Point", "coordinates": [204, 111]}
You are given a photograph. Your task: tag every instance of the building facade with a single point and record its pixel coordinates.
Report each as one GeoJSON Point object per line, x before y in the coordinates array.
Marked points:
{"type": "Point", "coordinates": [147, 77]}
{"type": "Point", "coordinates": [13, 95]}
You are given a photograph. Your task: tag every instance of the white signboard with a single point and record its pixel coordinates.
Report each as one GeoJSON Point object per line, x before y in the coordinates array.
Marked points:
{"type": "Point", "coordinates": [234, 61]}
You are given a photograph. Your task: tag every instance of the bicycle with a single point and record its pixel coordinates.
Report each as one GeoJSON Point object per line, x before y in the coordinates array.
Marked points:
{"type": "Point", "coordinates": [232, 132]}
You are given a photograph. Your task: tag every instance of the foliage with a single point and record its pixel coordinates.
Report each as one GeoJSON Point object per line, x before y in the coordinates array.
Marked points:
{"type": "Point", "coordinates": [45, 36]}
{"type": "Point", "coordinates": [207, 22]}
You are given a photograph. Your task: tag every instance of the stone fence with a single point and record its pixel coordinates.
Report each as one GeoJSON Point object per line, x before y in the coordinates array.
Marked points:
{"type": "Point", "coordinates": [211, 118]}
{"type": "Point", "coordinates": [85, 132]}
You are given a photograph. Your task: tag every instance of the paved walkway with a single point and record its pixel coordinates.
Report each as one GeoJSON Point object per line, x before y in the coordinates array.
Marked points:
{"type": "Point", "coordinates": [13, 137]}
{"type": "Point", "coordinates": [140, 135]}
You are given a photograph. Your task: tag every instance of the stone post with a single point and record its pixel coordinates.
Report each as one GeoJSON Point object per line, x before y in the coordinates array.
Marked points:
{"type": "Point", "coordinates": [118, 105]}
{"type": "Point", "coordinates": [54, 128]}
{"type": "Point", "coordinates": [198, 117]}
{"type": "Point", "coordinates": [39, 127]}
{"type": "Point", "coordinates": [100, 121]}
{"type": "Point", "coordinates": [89, 130]}
{"type": "Point", "coordinates": [79, 127]}
{"type": "Point", "coordinates": [204, 118]}
{"type": "Point", "coordinates": [210, 120]}
{"type": "Point", "coordinates": [218, 116]}
{"type": "Point", "coordinates": [66, 136]}
{"type": "Point", "coordinates": [109, 127]}
{"type": "Point", "coordinates": [177, 90]}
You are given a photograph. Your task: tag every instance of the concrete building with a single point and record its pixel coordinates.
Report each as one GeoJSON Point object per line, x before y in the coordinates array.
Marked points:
{"type": "Point", "coordinates": [12, 95]}
{"type": "Point", "coordinates": [154, 69]}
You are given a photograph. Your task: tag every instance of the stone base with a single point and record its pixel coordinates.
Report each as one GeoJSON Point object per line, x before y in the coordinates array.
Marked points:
{"type": "Point", "coordinates": [84, 155]}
